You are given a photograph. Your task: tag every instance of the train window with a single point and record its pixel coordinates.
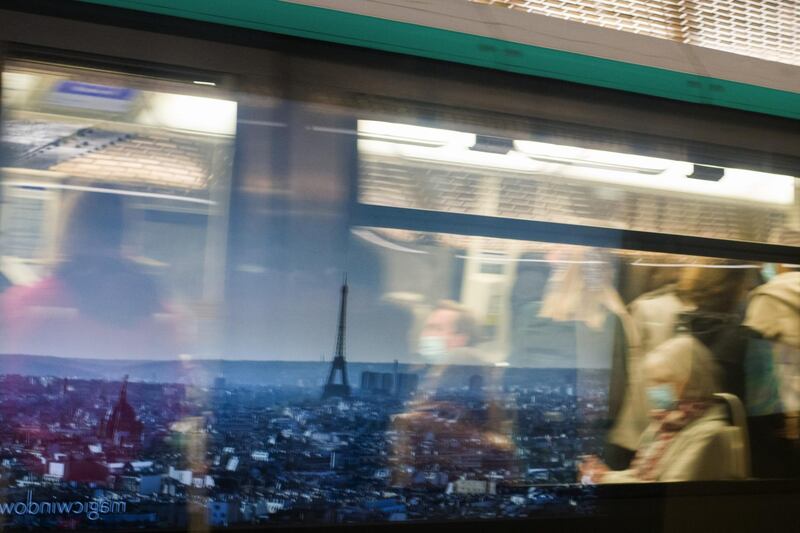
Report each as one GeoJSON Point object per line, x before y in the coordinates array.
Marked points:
{"type": "Point", "coordinates": [367, 320]}
{"type": "Point", "coordinates": [115, 192]}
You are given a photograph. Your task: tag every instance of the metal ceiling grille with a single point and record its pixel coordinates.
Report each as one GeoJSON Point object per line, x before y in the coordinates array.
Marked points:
{"type": "Point", "coordinates": [397, 182]}
{"type": "Point", "coordinates": [767, 29]}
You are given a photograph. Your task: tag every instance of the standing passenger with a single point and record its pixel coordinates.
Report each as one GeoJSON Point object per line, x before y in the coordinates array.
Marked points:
{"type": "Point", "coordinates": [717, 293]}
{"type": "Point", "coordinates": [773, 375]}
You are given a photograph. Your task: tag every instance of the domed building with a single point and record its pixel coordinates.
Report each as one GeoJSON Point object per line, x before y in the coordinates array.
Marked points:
{"type": "Point", "coordinates": [121, 425]}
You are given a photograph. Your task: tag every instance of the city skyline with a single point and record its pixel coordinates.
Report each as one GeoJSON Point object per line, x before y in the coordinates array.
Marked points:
{"type": "Point", "coordinates": [280, 454]}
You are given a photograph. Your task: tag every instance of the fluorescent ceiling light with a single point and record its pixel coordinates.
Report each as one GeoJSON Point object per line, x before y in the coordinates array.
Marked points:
{"type": "Point", "coordinates": [192, 113]}
{"type": "Point", "coordinates": [16, 86]}
{"type": "Point", "coordinates": [406, 133]}
{"type": "Point", "coordinates": [583, 156]}
{"type": "Point", "coordinates": [546, 160]}
{"type": "Point", "coordinates": [18, 81]}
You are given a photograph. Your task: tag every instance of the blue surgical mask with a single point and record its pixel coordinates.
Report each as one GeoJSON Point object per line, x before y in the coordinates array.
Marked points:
{"type": "Point", "coordinates": [662, 396]}
{"type": "Point", "coordinates": [769, 271]}
{"type": "Point", "coordinates": [432, 347]}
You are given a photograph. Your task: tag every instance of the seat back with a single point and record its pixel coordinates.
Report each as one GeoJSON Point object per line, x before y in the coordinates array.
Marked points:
{"type": "Point", "coordinates": [737, 434]}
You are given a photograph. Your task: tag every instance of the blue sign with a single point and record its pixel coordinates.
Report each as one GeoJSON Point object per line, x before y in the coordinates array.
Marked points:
{"type": "Point", "coordinates": [82, 95]}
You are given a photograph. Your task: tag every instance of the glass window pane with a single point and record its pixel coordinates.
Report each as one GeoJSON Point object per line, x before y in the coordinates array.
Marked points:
{"type": "Point", "coordinates": [251, 348]}
{"type": "Point", "coordinates": [114, 186]}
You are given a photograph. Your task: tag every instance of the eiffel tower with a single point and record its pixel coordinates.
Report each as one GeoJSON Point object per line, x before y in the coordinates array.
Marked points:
{"type": "Point", "coordinates": [339, 365]}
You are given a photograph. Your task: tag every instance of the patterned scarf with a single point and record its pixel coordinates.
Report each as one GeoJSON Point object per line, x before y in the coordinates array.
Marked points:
{"type": "Point", "coordinates": [670, 423]}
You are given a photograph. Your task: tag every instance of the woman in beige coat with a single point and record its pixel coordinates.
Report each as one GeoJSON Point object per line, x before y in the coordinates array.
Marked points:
{"type": "Point", "coordinates": [689, 438]}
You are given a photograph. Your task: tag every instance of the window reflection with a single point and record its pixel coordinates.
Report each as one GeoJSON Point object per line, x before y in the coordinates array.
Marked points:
{"type": "Point", "coordinates": [485, 377]}
{"type": "Point", "coordinates": [577, 366]}
{"type": "Point", "coordinates": [113, 187]}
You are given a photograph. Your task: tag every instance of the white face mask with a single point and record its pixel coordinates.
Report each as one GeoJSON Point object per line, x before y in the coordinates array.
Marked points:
{"type": "Point", "coordinates": [432, 347]}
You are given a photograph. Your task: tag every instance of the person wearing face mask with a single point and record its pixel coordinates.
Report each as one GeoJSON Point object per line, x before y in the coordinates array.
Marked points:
{"type": "Point", "coordinates": [687, 438]}
{"type": "Point", "coordinates": [443, 414]}
{"type": "Point", "coordinates": [449, 336]}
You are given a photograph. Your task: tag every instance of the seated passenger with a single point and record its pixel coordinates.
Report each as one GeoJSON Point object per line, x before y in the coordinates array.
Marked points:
{"type": "Point", "coordinates": [703, 303]}
{"type": "Point", "coordinates": [687, 438]}
{"type": "Point", "coordinates": [96, 302]}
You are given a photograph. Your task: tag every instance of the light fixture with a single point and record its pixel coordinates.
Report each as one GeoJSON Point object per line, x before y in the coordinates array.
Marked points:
{"type": "Point", "coordinates": [406, 133]}
{"type": "Point", "coordinates": [586, 157]}
{"type": "Point", "coordinates": [548, 160]}
{"type": "Point", "coordinates": [707, 173]}
{"type": "Point", "coordinates": [493, 145]}
{"type": "Point", "coordinates": [192, 113]}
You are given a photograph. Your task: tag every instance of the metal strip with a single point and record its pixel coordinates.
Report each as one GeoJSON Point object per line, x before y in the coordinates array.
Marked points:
{"type": "Point", "coordinates": [505, 228]}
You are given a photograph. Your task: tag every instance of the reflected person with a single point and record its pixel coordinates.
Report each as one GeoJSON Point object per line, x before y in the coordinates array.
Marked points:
{"type": "Point", "coordinates": [456, 424]}
{"type": "Point", "coordinates": [450, 335]}
{"type": "Point", "coordinates": [96, 302]}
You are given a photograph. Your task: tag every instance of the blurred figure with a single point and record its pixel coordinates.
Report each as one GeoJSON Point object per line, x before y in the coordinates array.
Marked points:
{"type": "Point", "coordinates": [581, 294]}
{"type": "Point", "coordinates": [704, 302]}
{"type": "Point", "coordinates": [527, 295]}
{"type": "Point", "coordinates": [774, 308]}
{"type": "Point", "coordinates": [654, 315]}
{"type": "Point", "coordinates": [773, 374]}
{"type": "Point", "coordinates": [687, 439]}
{"type": "Point", "coordinates": [450, 335]}
{"type": "Point", "coordinates": [457, 410]}
{"type": "Point", "coordinates": [96, 302]}
{"type": "Point", "coordinates": [716, 294]}
{"type": "Point", "coordinates": [537, 340]}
